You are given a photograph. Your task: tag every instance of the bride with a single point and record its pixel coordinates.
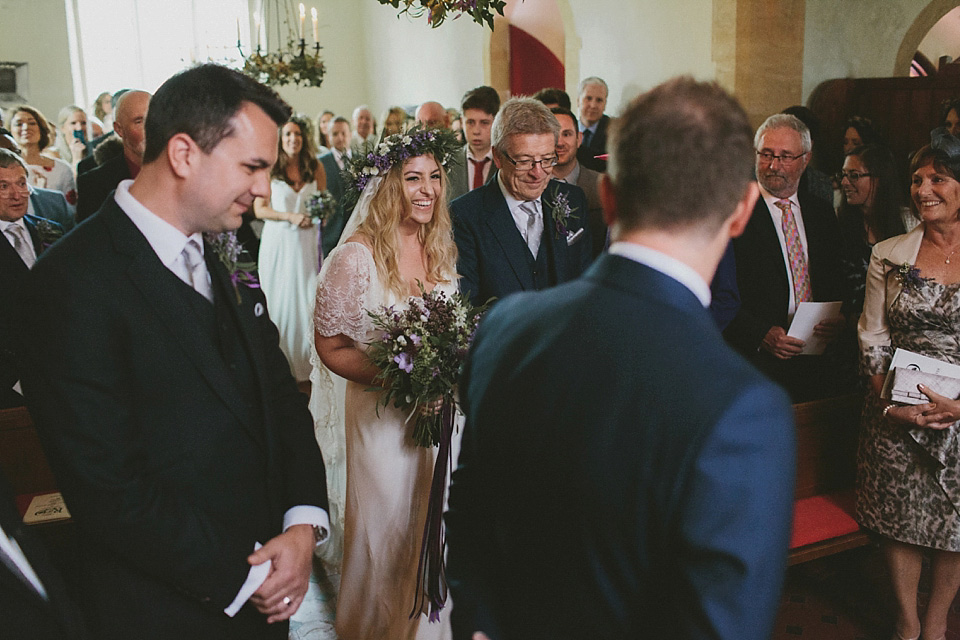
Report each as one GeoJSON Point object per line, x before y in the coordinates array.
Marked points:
{"type": "Point", "coordinates": [398, 238]}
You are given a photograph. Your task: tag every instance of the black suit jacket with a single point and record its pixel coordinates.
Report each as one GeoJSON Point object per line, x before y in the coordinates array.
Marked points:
{"type": "Point", "coordinates": [93, 187]}
{"type": "Point", "coordinates": [597, 146]}
{"type": "Point", "coordinates": [171, 473]}
{"type": "Point", "coordinates": [23, 612]}
{"type": "Point", "coordinates": [623, 473]}
{"type": "Point", "coordinates": [335, 185]}
{"type": "Point", "coordinates": [493, 258]}
{"type": "Point", "coordinates": [765, 290]}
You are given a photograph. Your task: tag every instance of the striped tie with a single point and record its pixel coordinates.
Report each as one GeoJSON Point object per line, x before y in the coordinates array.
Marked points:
{"type": "Point", "coordinates": [798, 263]}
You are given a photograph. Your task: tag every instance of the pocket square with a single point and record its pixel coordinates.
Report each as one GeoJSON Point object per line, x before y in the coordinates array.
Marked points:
{"type": "Point", "coordinates": [258, 309]}
{"type": "Point", "coordinates": [574, 236]}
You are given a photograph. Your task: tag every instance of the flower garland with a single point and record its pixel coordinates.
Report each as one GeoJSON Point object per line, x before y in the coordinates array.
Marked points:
{"type": "Point", "coordinates": [361, 169]}
{"type": "Point", "coordinates": [481, 11]}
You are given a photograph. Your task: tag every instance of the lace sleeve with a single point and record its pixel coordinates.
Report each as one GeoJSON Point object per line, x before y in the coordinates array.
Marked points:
{"type": "Point", "coordinates": [342, 292]}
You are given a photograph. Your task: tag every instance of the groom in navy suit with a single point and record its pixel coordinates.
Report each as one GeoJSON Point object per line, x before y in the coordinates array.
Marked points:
{"type": "Point", "coordinates": [624, 473]}
{"type": "Point", "coordinates": [521, 232]}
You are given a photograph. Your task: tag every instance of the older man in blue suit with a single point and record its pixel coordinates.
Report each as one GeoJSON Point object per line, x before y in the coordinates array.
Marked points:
{"type": "Point", "coordinates": [624, 473]}
{"type": "Point", "coordinates": [521, 232]}
{"type": "Point", "coordinates": [50, 204]}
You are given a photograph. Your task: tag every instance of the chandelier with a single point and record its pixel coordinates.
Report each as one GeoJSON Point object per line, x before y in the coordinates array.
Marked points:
{"type": "Point", "coordinates": [290, 64]}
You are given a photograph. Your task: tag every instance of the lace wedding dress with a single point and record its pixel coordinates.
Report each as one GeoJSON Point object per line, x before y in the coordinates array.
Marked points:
{"type": "Point", "coordinates": [378, 481]}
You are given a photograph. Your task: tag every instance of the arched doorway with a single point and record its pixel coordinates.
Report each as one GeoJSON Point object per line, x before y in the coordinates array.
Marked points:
{"type": "Point", "coordinates": [921, 27]}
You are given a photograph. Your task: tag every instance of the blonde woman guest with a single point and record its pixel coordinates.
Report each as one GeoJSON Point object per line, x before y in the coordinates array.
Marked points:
{"type": "Point", "coordinates": [289, 258]}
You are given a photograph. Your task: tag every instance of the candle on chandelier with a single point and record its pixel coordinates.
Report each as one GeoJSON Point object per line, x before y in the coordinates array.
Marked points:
{"type": "Point", "coordinates": [303, 15]}
{"type": "Point", "coordinates": [313, 15]}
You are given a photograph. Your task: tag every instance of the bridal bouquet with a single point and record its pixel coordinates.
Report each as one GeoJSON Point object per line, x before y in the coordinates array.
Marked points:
{"type": "Point", "coordinates": [320, 206]}
{"type": "Point", "coordinates": [420, 357]}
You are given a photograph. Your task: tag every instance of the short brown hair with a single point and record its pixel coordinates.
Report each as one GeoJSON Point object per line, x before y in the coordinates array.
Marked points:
{"type": "Point", "coordinates": [681, 156]}
{"type": "Point", "coordinates": [519, 116]}
{"type": "Point", "coordinates": [9, 159]}
{"type": "Point", "coordinates": [42, 122]}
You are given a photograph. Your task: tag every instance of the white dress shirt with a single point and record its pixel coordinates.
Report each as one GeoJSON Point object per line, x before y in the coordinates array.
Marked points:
{"type": "Point", "coordinates": [520, 217]}
{"type": "Point", "coordinates": [168, 242]}
{"type": "Point", "coordinates": [777, 216]}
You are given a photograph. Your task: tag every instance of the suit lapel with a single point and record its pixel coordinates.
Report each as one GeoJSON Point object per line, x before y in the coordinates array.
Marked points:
{"type": "Point", "coordinates": [159, 292]}
{"type": "Point", "coordinates": [505, 232]}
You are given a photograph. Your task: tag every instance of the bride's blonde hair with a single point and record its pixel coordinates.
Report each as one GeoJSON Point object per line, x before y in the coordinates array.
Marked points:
{"type": "Point", "coordinates": [387, 207]}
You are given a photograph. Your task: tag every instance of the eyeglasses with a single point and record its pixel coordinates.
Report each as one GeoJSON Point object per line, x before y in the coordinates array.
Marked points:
{"type": "Point", "coordinates": [785, 158]}
{"type": "Point", "coordinates": [527, 164]}
{"type": "Point", "coordinates": [852, 176]}
{"type": "Point", "coordinates": [9, 189]}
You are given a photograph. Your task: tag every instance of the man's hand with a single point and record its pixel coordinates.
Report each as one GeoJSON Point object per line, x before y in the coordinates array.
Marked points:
{"type": "Point", "coordinates": [778, 343]}
{"type": "Point", "coordinates": [829, 329]}
{"type": "Point", "coordinates": [291, 554]}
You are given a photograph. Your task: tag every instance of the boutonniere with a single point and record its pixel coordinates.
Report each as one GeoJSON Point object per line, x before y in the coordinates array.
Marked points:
{"type": "Point", "coordinates": [230, 253]}
{"type": "Point", "coordinates": [907, 274]}
{"type": "Point", "coordinates": [48, 233]}
{"type": "Point", "coordinates": [561, 212]}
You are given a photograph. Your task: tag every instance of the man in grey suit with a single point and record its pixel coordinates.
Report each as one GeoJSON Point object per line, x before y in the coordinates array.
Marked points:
{"type": "Point", "coordinates": [472, 166]}
{"type": "Point", "coordinates": [50, 204]}
{"type": "Point", "coordinates": [570, 170]}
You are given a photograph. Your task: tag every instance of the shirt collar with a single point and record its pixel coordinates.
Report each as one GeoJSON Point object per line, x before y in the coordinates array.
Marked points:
{"type": "Point", "coordinates": [512, 203]}
{"type": "Point", "coordinates": [166, 240]}
{"type": "Point", "coordinates": [771, 199]}
{"type": "Point", "coordinates": [488, 155]}
{"type": "Point", "coordinates": [667, 265]}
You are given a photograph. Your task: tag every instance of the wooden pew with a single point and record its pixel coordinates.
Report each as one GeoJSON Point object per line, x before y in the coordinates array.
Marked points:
{"type": "Point", "coordinates": [827, 432]}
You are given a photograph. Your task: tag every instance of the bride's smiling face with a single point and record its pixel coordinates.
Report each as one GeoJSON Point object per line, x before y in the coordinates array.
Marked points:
{"type": "Point", "coordinates": [421, 187]}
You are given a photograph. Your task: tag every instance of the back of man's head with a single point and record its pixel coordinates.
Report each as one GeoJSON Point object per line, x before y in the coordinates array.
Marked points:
{"type": "Point", "coordinates": [681, 157]}
{"type": "Point", "coordinates": [201, 103]}
{"type": "Point", "coordinates": [484, 98]}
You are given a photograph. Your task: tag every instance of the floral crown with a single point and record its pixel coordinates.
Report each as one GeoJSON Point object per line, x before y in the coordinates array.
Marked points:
{"type": "Point", "coordinates": [443, 144]}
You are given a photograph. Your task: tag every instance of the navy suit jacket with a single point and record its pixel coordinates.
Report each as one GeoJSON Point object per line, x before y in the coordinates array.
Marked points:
{"type": "Point", "coordinates": [335, 185]}
{"type": "Point", "coordinates": [52, 205]}
{"type": "Point", "coordinates": [623, 472]}
{"type": "Point", "coordinates": [170, 471]}
{"type": "Point", "coordinates": [493, 258]}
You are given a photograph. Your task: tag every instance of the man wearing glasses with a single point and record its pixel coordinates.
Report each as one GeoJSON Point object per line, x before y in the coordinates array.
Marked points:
{"type": "Point", "coordinates": [521, 232]}
{"type": "Point", "coordinates": [788, 254]}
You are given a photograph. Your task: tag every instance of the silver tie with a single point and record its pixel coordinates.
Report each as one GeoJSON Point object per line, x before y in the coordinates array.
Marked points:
{"type": "Point", "coordinates": [197, 269]}
{"type": "Point", "coordinates": [22, 244]}
{"type": "Point", "coordinates": [534, 231]}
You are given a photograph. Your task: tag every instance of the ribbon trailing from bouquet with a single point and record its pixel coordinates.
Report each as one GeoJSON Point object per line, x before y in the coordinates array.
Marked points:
{"type": "Point", "coordinates": [431, 588]}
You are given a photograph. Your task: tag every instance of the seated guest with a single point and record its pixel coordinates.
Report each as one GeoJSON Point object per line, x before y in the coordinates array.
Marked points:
{"type": "Point", "coordinates": [788, 254]}
{"type": "Point", "coordinates": [522, 231]}
{"type": "Point", "coordinates": [569, 170]}
{"type": "Point", "coordinates": [22, 238]}
{"type": "Point", "coordinates": [71, 144]}
{"type": "Point", "coordinates": [333, 163]}
{"type": "Point", "coordinates": [33, 133]}
{"type": "Point", "coordinates": [96, 185]}
{"type": "Point", "coordinates": [364, 132]}
{"type": "Point", "coordinates": [553, 98]}
{"type": "Point", "coordinates": [432, 115]}
{"type": "Point", "coordinates": [591, 101]}
{"type": "Point", "coordinates": [473, 165]}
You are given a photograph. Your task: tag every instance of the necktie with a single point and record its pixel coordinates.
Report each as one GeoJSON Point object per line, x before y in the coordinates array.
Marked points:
{"type": "Point", "coordinates": [798, 263]}
{"type": "Point", "coordinates": [197, 269]}
{"type": "Point", "coordinates": [21, 243]}
{"type": "Point", "coordinates": [587, 136]}
{"type": "Point", "coordinates": [478, 166]}
{"type": "Point", "coordinates": [533, 232]}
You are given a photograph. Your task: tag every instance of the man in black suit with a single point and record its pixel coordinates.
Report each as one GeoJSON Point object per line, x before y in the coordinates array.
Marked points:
{"type": "Point", "coordinates": [521, 232]}
{"type": "Point", "coordinates": [22, 238]}
{"type": "Point", "coordinates": [623, 472]}
{"type": "Point", "coordinates": [94, 186]}
{"type": "Point", "coordinates": [34, 601]}
{"type": "Point", "coordinates": [594, 123]}
{"type": "Point", "coordinates": [167, 410]}
{"type": "Point", "coordinates": [775, 274]}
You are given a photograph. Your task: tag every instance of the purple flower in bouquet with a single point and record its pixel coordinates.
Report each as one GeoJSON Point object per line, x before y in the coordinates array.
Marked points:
{"type": "Point", "coordinates": [404, 362]}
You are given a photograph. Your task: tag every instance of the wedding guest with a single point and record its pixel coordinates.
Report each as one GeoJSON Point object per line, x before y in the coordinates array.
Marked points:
{"type": "Point", "coordinates": [472, 167]}
{"type": "Point", "coordinates": [289, 256]}
{"type": "Point", "coordinates": [432, 115]}
{"type": "Point", "coordinates": [569, 170]}
{"type": "Point", "coordinates": [364, 132]}
{"type": "Point", "coordinates": [398, 240]}
{"type": "Point", "coordinates": [129, 125]}
{"type": "Point", "coordinates": [859, 131]}
{"type": "Point", "coordinates": [607, 488]}
{"type": "Point", "coordinates": [553, 98]}
{"type": "Point", "coordinates": [788, 227]}
{"type": "Point", "coordinates": [521, 232]}
{"type": "Point", "coordinates": [334, 163]}
{"type": "Point", "coordinates": [908, 461]}
{"type": "Point", "coordinates": [951, 116]}
{"type": "Point", "coordinates": [71, 144]}
{"type": "Point", "coordinates": [591, 102]}
{"type": "Point", "coordinates": [33, 133]}
{"type": "Point", "coordinates": [323, 131]}
{"type": "Point", "coordinates": [394, 121]}
{"type": "Point", "coordinates": [103, 109]}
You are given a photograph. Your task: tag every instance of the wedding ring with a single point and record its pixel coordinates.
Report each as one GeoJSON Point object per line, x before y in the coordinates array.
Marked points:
{"type": "Point", "coordinates": [286, 601]}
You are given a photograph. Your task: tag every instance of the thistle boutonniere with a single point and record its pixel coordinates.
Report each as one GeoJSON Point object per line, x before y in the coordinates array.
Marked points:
{"type": "Point", "coordinates": [235, 258]}
{"type": "Point", "coordinates": [562, 211]}
{"type": "Point", "coordinates": [47, 232]}
{"type": "Point", "coordinates": [907, 274]}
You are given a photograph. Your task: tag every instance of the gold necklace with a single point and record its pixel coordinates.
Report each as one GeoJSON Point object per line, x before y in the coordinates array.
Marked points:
{"type": "Point", "coordinates": [946, 255]}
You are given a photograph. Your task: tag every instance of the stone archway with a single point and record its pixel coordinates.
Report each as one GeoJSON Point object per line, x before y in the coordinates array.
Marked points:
{"type": "Point", "coordinates": [915, 34]}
